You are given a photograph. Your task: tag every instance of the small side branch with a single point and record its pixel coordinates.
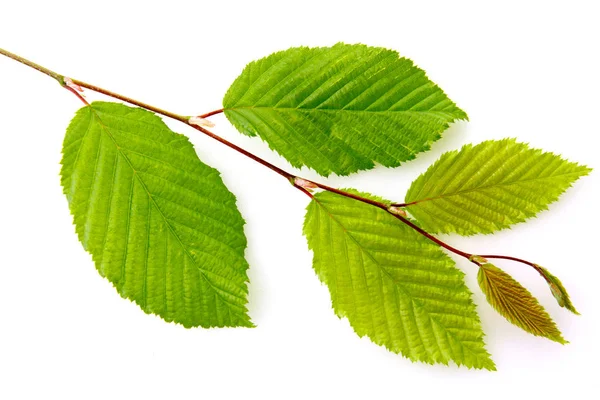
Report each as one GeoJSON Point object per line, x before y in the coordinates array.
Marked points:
{"type": "Point", "coordinates": [209, 114]}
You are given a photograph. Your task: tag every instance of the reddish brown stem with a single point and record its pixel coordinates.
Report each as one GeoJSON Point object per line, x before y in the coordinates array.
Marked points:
{"type": "Point", "coordinates": [404, 204]}
{"type": "Point", "coordinates": [70, 89]}
{"type": "Point", "coordinates": [130, 100]}
{"type": "Point", "coordinates": [303, 190]}
{"type": "Point", "coordinates": [350, 195]}
{"type": "Point", "coordinates": [436, 240]}
{"type": "Point", "coordinates": [259, 160]}
{"type": "Point", "coordinates": [290, 177]}
{"type": "Point", "coordinates": [185, 120]}
{"type": "Point", "coordinates": [519, 260]}
{"type": "Point", "coordinates": [405, 220]}
{"type": "Point", "coordinates": [208, 114]}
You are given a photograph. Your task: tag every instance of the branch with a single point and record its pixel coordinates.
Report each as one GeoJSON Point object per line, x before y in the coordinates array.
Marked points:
{"type": "Point", "coordinates": [208, 114]}
{"type": "Point", "coordinates": [290, 177]}
{"type": "Point", "coordinates": [33, 65]}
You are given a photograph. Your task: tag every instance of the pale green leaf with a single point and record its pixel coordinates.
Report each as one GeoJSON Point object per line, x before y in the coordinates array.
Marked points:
{"type": "Point", "coordinates": [558, 291]}
{"type": "Point", "coordinates": [487, 187]}
{"type": "Point", "coordinates": [160, 224]}
{"type": "Point", "coordinates": [516, 304]}
{"type": "Point", "coordinates": [392, 284]}
{"type": "Point", "coordinates": [340, 109]}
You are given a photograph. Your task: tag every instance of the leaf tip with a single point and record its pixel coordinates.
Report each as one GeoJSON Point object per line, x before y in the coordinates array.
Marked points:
{"type": "Point", "coordinates": [489, 365]}
{"type": "Point", "coordinates": [558, 290]}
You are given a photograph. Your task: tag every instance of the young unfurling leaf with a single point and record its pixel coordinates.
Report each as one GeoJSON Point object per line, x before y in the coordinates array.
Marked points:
{"type": "Point", "coordinates": [515, 303]}
{"type": "Point", "coordinates": [159, 223]}
{"type": "Point", "coordinates": [558, 291]}
{"type": "Point", "coordinates": [340, 109]}
{"type": "Point", "coordinates": [488, 187]}
{"type": "Point", "coordinates": [393, 285]}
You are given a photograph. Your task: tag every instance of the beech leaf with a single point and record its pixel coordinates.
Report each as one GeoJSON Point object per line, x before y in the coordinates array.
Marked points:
{"type": "Point", "coordinates": [159, 223]}
{"type": "Point", "coordinates": [340, 109]}
{"type": "Point", "coordinates": [488, 187]}
{"type": "Point", "coordinates": [393, 285]}
{"type": "Point", "coordinates": [516, 304]}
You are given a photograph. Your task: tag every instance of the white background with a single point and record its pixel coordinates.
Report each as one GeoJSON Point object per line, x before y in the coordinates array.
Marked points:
{"type": "Point", "coordinates": [519, 69]}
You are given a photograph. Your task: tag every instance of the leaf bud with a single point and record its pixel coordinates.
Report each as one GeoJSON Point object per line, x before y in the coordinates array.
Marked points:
{"type": "Point", "coordinates": [69, 82]}
{"type": "Point", "coordinates": [199, 121]}
{"type": "Point", "coordinates": [397, 211]}
{"type": "Point", "coordinates": [478, 259]}
{"type": "Point", "coordinates": [303, 183]}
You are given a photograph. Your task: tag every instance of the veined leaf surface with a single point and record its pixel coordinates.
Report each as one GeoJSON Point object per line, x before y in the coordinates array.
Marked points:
{"type": "Point", "coordinates": [159, 223]}
{"type": "Point", "coordinates": [340, 109]}
{"type": "Point", "coordinates": [392, 284]}
{"type": "Point", "coordinates": [515, 303]}
{"type": "Point", "coordinates": [488, 187]}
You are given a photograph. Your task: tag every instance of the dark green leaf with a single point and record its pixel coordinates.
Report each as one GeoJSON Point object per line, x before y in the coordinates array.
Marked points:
{"type": "Point", "coordinates": [340, 109]}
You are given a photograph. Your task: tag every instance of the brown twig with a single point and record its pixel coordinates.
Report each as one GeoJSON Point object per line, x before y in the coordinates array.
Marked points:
{"type": "Point", "coordinates": [289, 176]}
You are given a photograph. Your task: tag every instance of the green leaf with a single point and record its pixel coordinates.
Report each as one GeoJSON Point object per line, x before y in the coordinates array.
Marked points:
{"type": "Point", "coordinates": [558, 291]}
{"type": "Point", "coordinates": [340, 109]}
{"type": "Point", "coordinates": [487, 187]}
{"type": "Point", "coordinates": [516, 304]}
{"type": "Point", "coordinates": [160, 224]}
{"type": "Point", "coordinates": [392, 284]}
